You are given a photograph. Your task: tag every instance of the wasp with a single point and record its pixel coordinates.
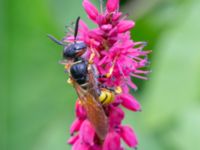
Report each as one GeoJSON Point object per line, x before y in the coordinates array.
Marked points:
{"type": "Point", "coordinates": [83, 75]}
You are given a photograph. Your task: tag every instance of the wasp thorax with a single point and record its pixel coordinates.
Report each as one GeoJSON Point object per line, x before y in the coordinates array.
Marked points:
{"type": "Point", "coordinates": [74, 50]}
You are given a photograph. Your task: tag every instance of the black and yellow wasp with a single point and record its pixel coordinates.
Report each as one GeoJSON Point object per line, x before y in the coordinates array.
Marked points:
{"type": "Point", "coordinates": [83, 76]}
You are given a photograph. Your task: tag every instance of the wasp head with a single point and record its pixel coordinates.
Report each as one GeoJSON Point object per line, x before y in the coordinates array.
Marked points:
{"type": "Point", "coordinates": [74, 50]}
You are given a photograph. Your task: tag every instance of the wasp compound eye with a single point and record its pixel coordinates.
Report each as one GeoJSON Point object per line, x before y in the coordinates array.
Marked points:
{"type": "Point", "coordinates": [74, 50]}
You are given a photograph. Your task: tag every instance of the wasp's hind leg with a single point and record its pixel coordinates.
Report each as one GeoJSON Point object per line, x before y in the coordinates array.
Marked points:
{"type": "Point", "coordinates": [103, 86]}
{"type": "Point", "coordinates": [115, 90]}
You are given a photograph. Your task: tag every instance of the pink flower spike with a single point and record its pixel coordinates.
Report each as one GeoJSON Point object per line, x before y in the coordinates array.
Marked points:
{"type": "Point", "coordinates": [125, 25]}
{"type": "Point", "coordinates": [115, 59]}
{"type": "Point", "coordinates": [112, 5]}
{"type": "Point", "coordinates": [75, 126]}
{"type": "Point", "coordinates": [87, 133]}
{"type": "Point", "coordinates": [112, 141]}
{"type": "Point", "coordinates": [130, 102]}
{"type": "Point", "coordinates": [129, 136]}
{"type": "Point", "coordinates": [91, 10]}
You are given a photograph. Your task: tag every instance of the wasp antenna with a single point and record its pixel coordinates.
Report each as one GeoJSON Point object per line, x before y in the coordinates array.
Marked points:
{"type": "Point", "coordinates": [55, 40]}
{"type": "Point", "coordinates": [76, 28]}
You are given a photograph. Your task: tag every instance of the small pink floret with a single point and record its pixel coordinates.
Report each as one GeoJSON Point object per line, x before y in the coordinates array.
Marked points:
{"type": "Point", "coordinates": [112, 5]}
{"type": "Point", "coordinates": [90, 9]}
{"type": "Point", "coordinates": [125, 25]}
{"type": "Point", "coordinates": [129, 136]}
{"type": "Point", "coordinates": [130, 102]}
{"type": "Point", "coordinates": [79, 145]}
{"type": "Point", "coordinates": [106, 27]}
{"type": "Point", "coordinates": [72, 139]}
{"type": "Point", "coordinates": [87, 133]}
{"type": "Point", "coordinates": [112, 141]}
{"type": "Point", "coordinates": [116, 116]}
{"type": "Point", "coordinates": [75, 126]}
{"type": "Point", "coordinates": [80, 111]}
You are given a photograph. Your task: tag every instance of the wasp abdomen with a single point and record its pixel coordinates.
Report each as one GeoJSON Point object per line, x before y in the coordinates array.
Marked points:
{"type": "Point", "coordinates": [106, 97]}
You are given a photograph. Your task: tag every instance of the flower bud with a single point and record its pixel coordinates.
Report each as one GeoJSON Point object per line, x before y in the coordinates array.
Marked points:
{"type": "Point", "coordinates": [130, 102]}
{"type": "Point", "coordinates": [80, 111]}
{"type": "Point", "coordinates": [106, 27]}
{"type": "Point", "coordinates": [112, 141]}
{"type": "Point", "coordinates": [87, 133]}
{"type": "Point", "coordinates": [79, 145]}
{"type": "Point", "coordinates": [75, 126]}
{"type": "Point", "coordinates": [129, 137]}
{"type": "Point", "coordinates": [72, 139]}
{"type": "Point", "coordinates": [90, 9]}
{"type": "Point", "coordinates": [116, 116]}
{"type": "Point", "coordinates": [124, 26]}
{"type": "Point", "coordinates": [112, 5]}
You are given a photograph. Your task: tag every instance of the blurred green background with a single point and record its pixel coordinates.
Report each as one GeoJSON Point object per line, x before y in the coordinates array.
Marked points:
{"type": "Point", "coordinates": [36, 104]}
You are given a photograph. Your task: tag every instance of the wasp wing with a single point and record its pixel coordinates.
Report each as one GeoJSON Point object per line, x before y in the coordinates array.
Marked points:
{"type": "Point", "coordinates": [93, 82]}
{"type": "Point", "coordinates": [94, 90]}
{"type": "Point", "coordinates": [95, 112]}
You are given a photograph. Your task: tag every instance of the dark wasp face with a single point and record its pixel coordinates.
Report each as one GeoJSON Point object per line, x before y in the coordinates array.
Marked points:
{"type": "Point", "coordinates": [74, 50]}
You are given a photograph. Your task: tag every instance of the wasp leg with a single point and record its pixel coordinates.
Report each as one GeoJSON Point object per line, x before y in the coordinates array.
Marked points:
{"type": "Point", "coordinates": [103, 86]}
{"type": "Point", "coordinates": [91, 57]}
{"type": "Point", "coordinates": [102, 76]}
{"type": "Point", "coordinates": [116, 90]}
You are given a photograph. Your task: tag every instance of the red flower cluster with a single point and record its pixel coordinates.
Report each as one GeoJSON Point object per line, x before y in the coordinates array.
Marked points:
{"type": "Point", "coordinates": [117, 54]}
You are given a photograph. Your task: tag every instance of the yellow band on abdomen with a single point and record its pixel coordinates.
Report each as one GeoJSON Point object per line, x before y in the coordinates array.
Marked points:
{"type": "Point", "coordinates": [106, 96]}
